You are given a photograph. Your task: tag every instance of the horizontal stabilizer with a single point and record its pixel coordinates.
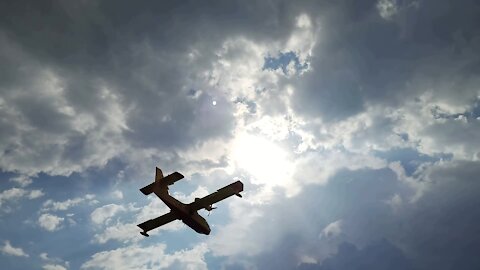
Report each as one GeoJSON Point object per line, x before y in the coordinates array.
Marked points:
{"type": "Point", "coordinates": [147, 189]}
{"type": "Point", "coordinates": [171, 178]}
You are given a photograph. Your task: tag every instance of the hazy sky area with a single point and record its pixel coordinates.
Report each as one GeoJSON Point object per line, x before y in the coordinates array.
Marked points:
{"type": "Point", "coordinates": [354, 125]}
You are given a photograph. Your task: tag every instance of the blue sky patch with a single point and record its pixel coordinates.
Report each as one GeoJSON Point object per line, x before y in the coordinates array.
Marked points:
{"type": "Point", "coordinates": [282, 60]}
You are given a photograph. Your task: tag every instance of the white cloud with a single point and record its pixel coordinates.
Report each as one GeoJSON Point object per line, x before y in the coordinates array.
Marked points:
{"type": "Point", "coordinates": [15, 194]}
{"type": "Point", "coordinates": [429, 122]}
{"type": "Point", "coordinates": [50, 222]}
{"type": "Point", "coordinates": [54, 267]}
{"type": "Point", "coordinates": [417, 184]}
{"type": "Point", "coordinates": [387, 8]}
{"type": "Point", "coordinates": [302, 39]}
{"type": "Point", "coordinates": [44, 256]}
{"type": "Point", "coordinates": [122, 232]}
{"type": "Point", "coordinates": [51, 205]}
{"type": "Point", "coordinates": [53, 263]}
{"type": "Point", "coordinates": [318, 167]}
{"type": "Point", "coordinates": [9, 250]}
{"type": "Point", "coordinates": [104, 213]}
{"type": "Point", "coordinates": [35, 194]}
{"type": "Point", "coordinates": [54, 141]}
{"type": "Point", "coordinates": [22, 180]}
{"type": "Point", "coordinates": [117, 194]}
{"type": "Point", "coordinates": [230, 239]}
{"type": "Point", "coordinates": [127, 231]}
{"type": "Point", "coordinates": [332, 230]}
{"type": "Point", "coordinates": [12, 194]}
{"type": "Point", "coordinates": [395, 202]}
{"type": "Point", "coordinates": [149, 257]}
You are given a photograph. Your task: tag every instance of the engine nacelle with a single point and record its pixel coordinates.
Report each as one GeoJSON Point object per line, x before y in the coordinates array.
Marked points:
{"type": "Point", "coordinates": [210, 208]}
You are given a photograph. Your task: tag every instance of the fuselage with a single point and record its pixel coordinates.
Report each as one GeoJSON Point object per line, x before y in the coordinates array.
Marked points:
{"type": "Point", "coordinates": [184, 212]}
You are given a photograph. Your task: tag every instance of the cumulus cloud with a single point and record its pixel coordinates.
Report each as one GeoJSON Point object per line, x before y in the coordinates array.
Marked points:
{"type": "Point", "coordinates": [50, 222]}
{"type": "Point", "coordinates": [333, 229]}
{"type": "Point", "coordinates": [22, 180]}
{"type": "Point", "coordinates": [8, 249]}
{"type": "Point", "coordinates": [124, 230]}
{"type": "Point", "coordinates": [53, 267]}
{"type": "Point", "coordinates": [153, 256]}
{"type": "Point", "coordinates": [53, 263]}
{"type": "Point", "coordinates": [51, 205]}
{"type": "Point", "coordinates": [15, 194]}
{"type": "Point", "coordinates": [387, 8]}
{"type": "Point", "coordinates": [117, 194]}
{"type": "Point", "coordinates": [318, 167]}
{"type": "Point", "coordinates": [104, 213]}
{"type": "Point", "coordinates": [378, 255]}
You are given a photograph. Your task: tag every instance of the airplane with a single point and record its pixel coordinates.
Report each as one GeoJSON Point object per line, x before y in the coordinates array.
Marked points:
{"type": "Point", "coordinates": [185, 212]}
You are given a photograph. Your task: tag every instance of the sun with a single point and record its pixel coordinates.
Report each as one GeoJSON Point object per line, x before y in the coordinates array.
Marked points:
{"type": "Point", "coordinates": [267, 162]}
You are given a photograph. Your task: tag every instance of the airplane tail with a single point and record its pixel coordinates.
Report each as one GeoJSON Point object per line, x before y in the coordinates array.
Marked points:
{"type": "Point", "coordinates": [158, 175]}
{"type": "Point", "coordinates": [161, 182]}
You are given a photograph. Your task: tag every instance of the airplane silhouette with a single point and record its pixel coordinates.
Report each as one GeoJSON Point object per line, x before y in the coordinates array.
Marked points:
{"type": "Point", "coordinates": [185, 212]}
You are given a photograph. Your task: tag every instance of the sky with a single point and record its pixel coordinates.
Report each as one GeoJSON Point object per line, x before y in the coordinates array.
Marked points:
{"type": "Point", "coordinates": [354, 126]}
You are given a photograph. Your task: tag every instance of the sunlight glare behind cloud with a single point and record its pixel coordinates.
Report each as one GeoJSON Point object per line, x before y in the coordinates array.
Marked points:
{"type": "Point", "coordinates": [264, 160]}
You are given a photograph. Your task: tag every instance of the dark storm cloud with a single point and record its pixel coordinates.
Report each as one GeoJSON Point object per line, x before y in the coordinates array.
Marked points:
{"type": "Point", "coordinates": [120, 72]}
{"type": "Point", "coordinates": [441, 230]}
{"type": "Point", "coordinates": [142, 53]}
{"type": "Point", "coordinates": [378, 255]}
{"type": "Point", "coordinates": [438, 231]}
{"type": "Point", "coordinates": [291, 228]}
{"type": "Point", "coordinates": [362, 59]}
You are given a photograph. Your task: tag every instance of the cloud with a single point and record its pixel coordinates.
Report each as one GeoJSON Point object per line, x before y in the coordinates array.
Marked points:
{"type": "Point", "coordinates": [387, 8]}
{"type": "Point", "coordinates": [51, 205]}
{"type": "Point", "coordinates": [94, 116]}
{"type": "Point", "coordinates": [104, 213]}
{"type": "Point", "coordinates": [379, 255]}
{"type": "Point", "coordinates": [50, 222]}
{"type": "Point", "coordinates": [333, 229]}
{"type": "Point", "coordinates": [395, 202]}
{"type": "Point", "coordinates": [53, 263]}
{"type": "Point", "coordinates": [15, 194]}
{"type": "Point", "coordinates": [318, 167]}
{"type": "Point", "coordinates": [230, 239]}
{"type": "Point", "coordinates": [53, 267]}
{"type": "Point", "coordinates": [13, 251]}
{"type": "Point", "coordinates": [117, 194]}
{"type": "Point", "coordinates": [153, 256]}
{"type": "Point", "coordinates": [126, 231]}
{"type": "Point", "coordinates": [122, 232]}
{"type": "Point", "coordinates": [35, 194]}
{"type": "Point", "coordinates": [44, 256]}
{"type": "Point", "coordinates": [414, 232]}
{"type": "Point", "coordinates": [22, 180]}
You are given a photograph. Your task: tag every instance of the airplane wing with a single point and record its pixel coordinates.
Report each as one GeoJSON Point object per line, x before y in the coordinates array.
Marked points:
{"type": "Point", "coordinates": [157, 222]}
{"type": "Point", "coordinates": [223, 193]}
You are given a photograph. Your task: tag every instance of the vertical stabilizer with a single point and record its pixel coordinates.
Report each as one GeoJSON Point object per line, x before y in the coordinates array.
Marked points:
{"type": "Point", "coordinates": [158, 175]}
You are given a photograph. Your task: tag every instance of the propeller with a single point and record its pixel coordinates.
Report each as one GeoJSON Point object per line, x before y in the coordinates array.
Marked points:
{"type": "Point", "coordinates": [209, 209]}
